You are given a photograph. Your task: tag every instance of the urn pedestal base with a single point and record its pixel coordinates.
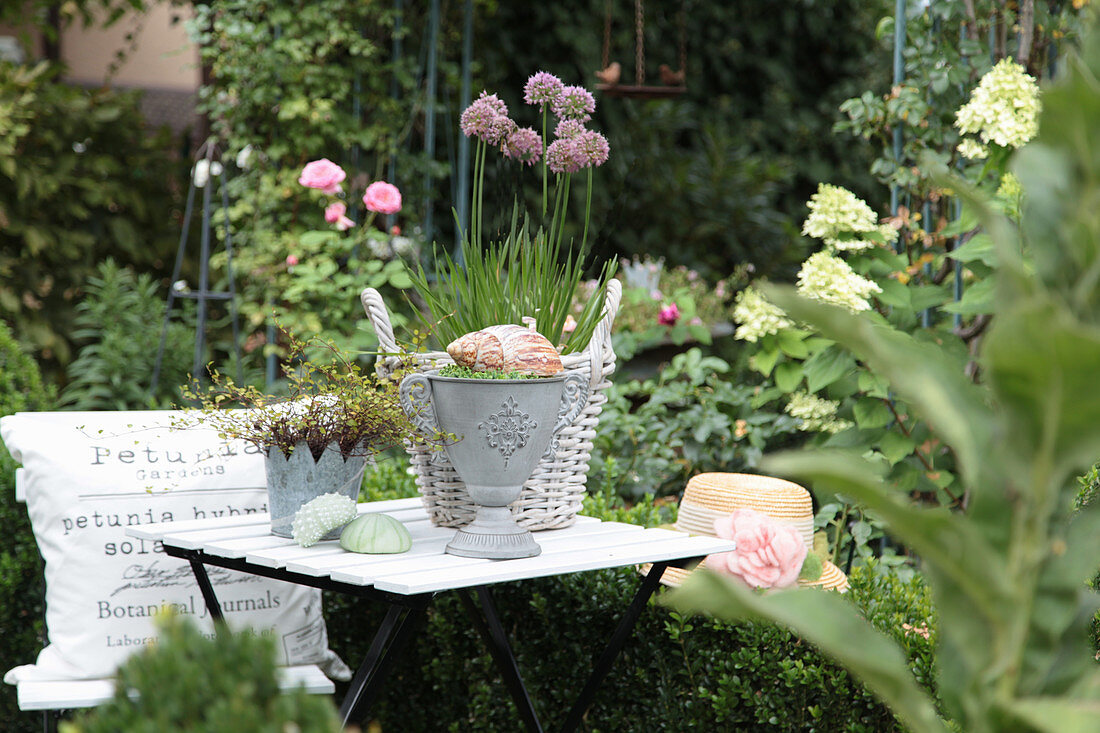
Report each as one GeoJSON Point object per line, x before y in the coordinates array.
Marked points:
{"type": "Point", "coordinates": [493, 535]}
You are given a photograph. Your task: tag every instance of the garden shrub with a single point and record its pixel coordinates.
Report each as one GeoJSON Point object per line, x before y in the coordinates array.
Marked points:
{"type": "Point", "coordinates": [22, 586]}
{"type": "Point", "coordinates": [290, 82]}
{"type": "Point", "coordinates": [675, 673]}
{"type": "Point", "coordinates": [694, 417]}
{"type": "Point", "coordinates": [118, 327]}
{"type": "Point", "coordinates": [81, 177]}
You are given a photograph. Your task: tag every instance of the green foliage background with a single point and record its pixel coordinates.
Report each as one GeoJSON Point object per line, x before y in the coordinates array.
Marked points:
{"type": "Point", "coordinates": [81, 179]}
{"type": "Point", "coordinates": [718, 175]}
{"type": "Point", "coordinates": [22, 586]}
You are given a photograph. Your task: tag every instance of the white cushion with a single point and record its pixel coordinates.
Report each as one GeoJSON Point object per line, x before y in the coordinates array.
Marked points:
{"type": "Point", "coordinates": [71, 694]}
{"type": "Point", "coordinates": [87, 476]}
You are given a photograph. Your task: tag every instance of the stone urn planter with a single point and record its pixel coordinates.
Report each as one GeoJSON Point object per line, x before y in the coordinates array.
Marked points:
{"type": "Point", "coordinates": [497, 430]}
{"type": "Point", "coordinates": [294, 481]}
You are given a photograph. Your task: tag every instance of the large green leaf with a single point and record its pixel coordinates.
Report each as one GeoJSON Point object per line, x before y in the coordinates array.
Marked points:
{"type": "Point", "coordinates": [1041, 363]}
{"type": "Point", "coordinates": [944, 540]}
{"type": "Point", "coordinates": [926, 377]}
{"type": "Point", "coordinates": [1058, 653]}
{"type": "Point", "coordinates": [1057, 715]}
{"type": "Point", "coordinates": [827, 620]}
{"type": "Point", "coordinates": [827, 366]}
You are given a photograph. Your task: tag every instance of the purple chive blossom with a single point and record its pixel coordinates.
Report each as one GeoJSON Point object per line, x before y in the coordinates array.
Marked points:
{"type": "Point", "coordinates": [561, 157]}
{"type": "Point", "coordinates": [591, 148]}
{"type": "Point", "coordinates": [477, 120]}
{"type": "Point", "coordinates": [542, 88]}
{"type": "Point", "coordinates": [524, 144]}
{"type": "Point", "coordinates": [499, 130]}
{"type": "Point", "coordinates": [574, 103]}
{"type": "Point", "coordinates": [568, 128]}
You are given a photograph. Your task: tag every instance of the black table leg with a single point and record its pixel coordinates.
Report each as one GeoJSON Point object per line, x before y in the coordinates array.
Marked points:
{"type": "Point", "coordinates": [207, 588]}
{"type": "Point", "coordinates": [614, 646]}
{"type": "Point", "coordinates": [376, 667]}
{"type": "Point", "coordinates": [492, 631]}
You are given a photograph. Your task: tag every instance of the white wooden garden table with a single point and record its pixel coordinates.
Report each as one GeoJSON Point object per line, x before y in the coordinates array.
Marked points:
{"type": "Point", "coordinates": [406, 583]}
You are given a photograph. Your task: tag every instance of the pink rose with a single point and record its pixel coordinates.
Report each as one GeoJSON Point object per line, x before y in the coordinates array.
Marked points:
{"type": "Point", "coordinates": [333, 212]}
{"type": "Point", "coordinates": [291, 260]}
{"type": "Point", "coordinates": [382, 197]}
{"type": "Point", "coordinates": [395, 230]}
{"type": "Point", "coordinates": [768, 554]}
{"type": "Point", "coordinates": [669, 315]}
{"type": "Point", "coordinates": [322, 174]}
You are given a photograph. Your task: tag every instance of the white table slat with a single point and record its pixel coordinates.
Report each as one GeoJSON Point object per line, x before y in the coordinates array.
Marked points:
{"type": "Point", "coordinates": [235, 549]}
{"type": "Point", "coordinates": [196, 538]}
{"type": "Point", "coordinates": [275, 557]}
{"type": "Point", "coordinates": [556, 564]}
{"type": "Point", "coordinates": [559, 542]}
{"type": "Point", "coordinates": [319, 567]}
{"type": "Point", "coordinates": [158, 531]}
{"type": "Point", "coordinates": [432, 544]}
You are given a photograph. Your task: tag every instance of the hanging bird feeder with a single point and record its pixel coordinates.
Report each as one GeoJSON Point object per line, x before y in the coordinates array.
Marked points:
{"type": "Point", "coordinates": [673, 82]}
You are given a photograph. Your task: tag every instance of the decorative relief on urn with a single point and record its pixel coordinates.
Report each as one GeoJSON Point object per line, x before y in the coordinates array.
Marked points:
{"type": "Point", "coordinates": [508, 430]}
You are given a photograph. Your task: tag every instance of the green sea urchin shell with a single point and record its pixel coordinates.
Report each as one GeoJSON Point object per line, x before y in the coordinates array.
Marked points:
{"type": "Point", "coordinates": [375, 534]}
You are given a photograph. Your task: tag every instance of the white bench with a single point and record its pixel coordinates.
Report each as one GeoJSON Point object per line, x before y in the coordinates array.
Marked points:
{"type": "Point", "coordinates": [53, 697]}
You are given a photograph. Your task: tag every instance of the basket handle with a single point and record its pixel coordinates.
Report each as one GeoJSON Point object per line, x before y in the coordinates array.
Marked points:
{"type": "Point", "coordinates": [601, 335]}
{"type": "Point", "coordinates": [379, 317]}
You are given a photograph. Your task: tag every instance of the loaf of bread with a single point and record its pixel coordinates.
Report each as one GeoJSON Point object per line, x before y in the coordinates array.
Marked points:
{"type": "Point", "coordinates": [507, 347]}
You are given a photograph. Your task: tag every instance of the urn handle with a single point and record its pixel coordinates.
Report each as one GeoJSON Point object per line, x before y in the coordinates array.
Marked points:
{"type": "Point", "coordinates": [416, 399]}
{"type": "Point", "coordinates": [574, 397]}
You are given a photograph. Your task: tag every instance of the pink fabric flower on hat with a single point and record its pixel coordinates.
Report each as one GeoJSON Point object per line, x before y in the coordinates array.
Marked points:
{"type": "Point", "coordinates": [768, 554]}
{"type": "Point", "coordinates": [669, 315]}
{"type": "Point", "coordinates": [322, 174]}
{"type": "Point", "coordinates": [382, 197]}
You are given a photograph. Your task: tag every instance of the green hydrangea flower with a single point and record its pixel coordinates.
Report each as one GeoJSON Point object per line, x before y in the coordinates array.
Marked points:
{"type": "Point", "coordinates": [839, 217]}
{"type": "Point", "coordinates": [972, 149]}
{"type": "Point", "coordinates": [756, 316]}
{"type": "Point", "coordinates": [817, 414]}
{"type": "Point", "coordinates": [831, 280]}
{"type": "Point", "coordinates": [1004, 108]}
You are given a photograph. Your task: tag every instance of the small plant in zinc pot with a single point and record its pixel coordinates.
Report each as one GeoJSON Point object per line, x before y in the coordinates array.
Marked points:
{"type": "Point", "coordinates": [316, 438]}
{"type": "Point", "coordinates": [502, 402]}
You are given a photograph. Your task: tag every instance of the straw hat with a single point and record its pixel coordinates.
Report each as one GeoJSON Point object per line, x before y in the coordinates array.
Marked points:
{"type": "Point", "coordinates": [709, 496]}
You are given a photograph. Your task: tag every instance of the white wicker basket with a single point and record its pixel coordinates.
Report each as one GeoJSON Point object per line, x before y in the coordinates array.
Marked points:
{"type": "Point", "coordinates": [552, 496]}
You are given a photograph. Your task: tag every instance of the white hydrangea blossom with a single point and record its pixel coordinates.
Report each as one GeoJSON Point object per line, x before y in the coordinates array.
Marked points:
{"type": "Point", "coordinates": [1004, 108]}
{"type": "Point", "coordinates": [888, 232]}
{"type": "Point", "coordinates": [836, 214]}
{"type": "Point", "coordinates": [756, 316]}
{"type": "Point", "coordinates": [972, 149]}
{"type": "Point", "coordinates": [831, 280]}
{"type": "Point", "coordinates": [379, 247]}
{"type": "Point", "coordinates": [817, 414]}
{"type": "Point", "coordinates": [403, 246]}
